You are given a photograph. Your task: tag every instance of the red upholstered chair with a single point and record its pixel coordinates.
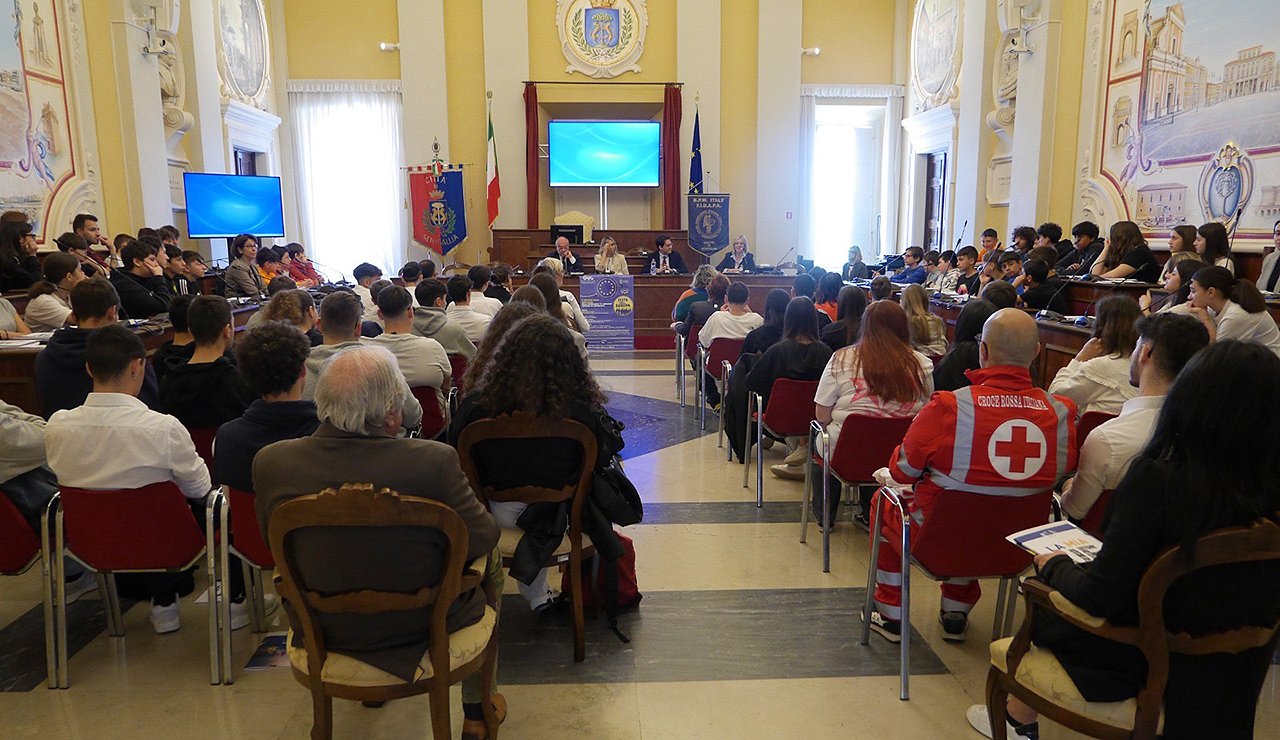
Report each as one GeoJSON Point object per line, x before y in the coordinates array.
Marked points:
{"type": "Point", "coordinates": [686, 348]}
{"type": "Point", "coordinates": [458, 363]}
{"type": "Point", "coordinates": [789, 412]}
{"type": "Point", "coordinates": [1087, 423]}
{"type": "Point", "coordinates": [964, 537]}
{"type": "Point", "coordinates": [20, 549]}
{"type": "Point", "coordinates": [722, 352]}
{"type": "Point", "coordinates": [865, 445]}
{"type": "Point", "coordinates": [148, 529]}
{"type": "Point", "coordinates": [1092, 522]}
{"type": "Point", "coordinates": [247, 543]}
{"type": "Point", "coordinates": [203, 438]}
{"type": "Point", "coordinates": [434, 420]}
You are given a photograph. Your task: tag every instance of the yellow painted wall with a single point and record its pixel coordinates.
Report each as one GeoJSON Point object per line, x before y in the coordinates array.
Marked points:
{"type": "Point", "coordinates": [336, 39]}
{"type": "Point", "coordinates": [468, 131]}
{"type": "Point", "coordinates": [855, 38]}
{"type": "Point", "coordinates": [1067, 119]}
{"type": "Point", "coordinates": [739, 36]}
{"type": "Point", "coordinates": [106, 115]}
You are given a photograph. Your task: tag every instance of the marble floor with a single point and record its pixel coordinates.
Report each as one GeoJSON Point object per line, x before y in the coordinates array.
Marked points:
{"type": "Point", "coordinates": [740, 634]}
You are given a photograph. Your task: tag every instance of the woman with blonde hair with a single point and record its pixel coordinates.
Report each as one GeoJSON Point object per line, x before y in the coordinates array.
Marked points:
{"type": "Point", "coordinates": [608, 260]}
{"type": "Point", "coordinates": [296, 307]}
{"type": "Point", "coordinates": [928, 335]}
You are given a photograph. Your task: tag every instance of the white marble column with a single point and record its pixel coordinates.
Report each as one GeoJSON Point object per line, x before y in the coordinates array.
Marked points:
{"type": "Point", "coordinates": [698, 67]}
{"type": "Point", "coordinates": [778, 130]}
{"type": "Point", "coordinates": [137, 81]}
{"type": "Point", "coordinates": [424, 92]}
{"type": "Point", "coordinates": [973, 140]}
{"type": "Point", "coordinates": [506, 67]}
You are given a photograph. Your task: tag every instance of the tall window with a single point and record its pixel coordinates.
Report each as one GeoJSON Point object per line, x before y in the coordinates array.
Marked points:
{"type": "Point", "coordinates": [348, 153]}
{"type": "Point", "coordinates": [845, 181]}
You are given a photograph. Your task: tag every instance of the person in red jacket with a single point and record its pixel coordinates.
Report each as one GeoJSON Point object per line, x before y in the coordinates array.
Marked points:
{"type": "Point", "coordinates": [1000, 437]}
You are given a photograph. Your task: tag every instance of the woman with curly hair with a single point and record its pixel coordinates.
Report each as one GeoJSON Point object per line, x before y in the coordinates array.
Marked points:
{"type": "Point", "coordinates": [507, 317]}
{"type": "Point", "coordinates": [536, 370]}
{"type": "Point", "coordinates": [298, 308]}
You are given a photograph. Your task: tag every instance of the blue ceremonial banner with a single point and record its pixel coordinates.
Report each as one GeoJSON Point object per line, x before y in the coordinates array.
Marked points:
{"type": "Point", "coordinates": [708, 222]}
{"type": "Point", "coordinates": [609, 303]}
{"type": "Point", "coordinates": [695, 159]}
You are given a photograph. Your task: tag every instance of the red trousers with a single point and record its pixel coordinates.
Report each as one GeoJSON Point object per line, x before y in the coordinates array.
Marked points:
{"type": "Point", "coordinates": [958, 594]}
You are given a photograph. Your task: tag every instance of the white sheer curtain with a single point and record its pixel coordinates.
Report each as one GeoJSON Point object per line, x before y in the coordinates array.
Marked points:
{"type": "Point", "coordinates": [808, 127]}
{"type": "Point", "coordinates": [348, 152]}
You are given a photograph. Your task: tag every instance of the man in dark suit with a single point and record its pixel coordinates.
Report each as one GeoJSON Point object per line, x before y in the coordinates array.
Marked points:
{"type": "Point", "coordinates": [572, 265]}
{"type": "Point", "coordinates": [667, 261]}
{"type": "Point", "coordinates": [358, 384]}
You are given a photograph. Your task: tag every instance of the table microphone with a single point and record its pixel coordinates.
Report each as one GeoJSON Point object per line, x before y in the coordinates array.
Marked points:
{"type": "Point", "coordinates": [1231, 244]}
{"type": "Point", "coordinates": [1086, 319]}
{"type": "Point", "coordinates": [961, 237]}
{"type": "Point", "coordinates": [1048, 315]}
{"type": "Point", "coordinates": [786, 254]}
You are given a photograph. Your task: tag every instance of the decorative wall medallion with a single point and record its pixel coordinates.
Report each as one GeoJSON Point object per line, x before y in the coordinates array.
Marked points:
{"type": "Point", "coordinates": [935, 50]}
{"type": "Point", "coordinates": [602, 38]}
{"type": "Point", "coordinates": [244, 50]}
{"type": "Point", "coordinates": [1226, 185]}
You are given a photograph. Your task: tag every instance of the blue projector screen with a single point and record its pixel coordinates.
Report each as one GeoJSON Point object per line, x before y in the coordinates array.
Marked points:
{"type": "Point", "coordinates": [603, 153]}
{"type": "Point", "coordinates": [228, 205]}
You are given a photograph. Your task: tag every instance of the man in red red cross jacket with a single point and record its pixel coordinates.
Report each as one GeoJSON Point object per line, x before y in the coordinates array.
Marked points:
{"type": "Point", "coordinates": [999, 437]}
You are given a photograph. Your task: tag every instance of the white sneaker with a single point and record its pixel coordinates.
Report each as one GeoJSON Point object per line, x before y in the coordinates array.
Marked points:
{"type": "Point", "coordinates": [164, 619]}
{"type": "Point", "coordinates": [80, 586]}
{"type": "Point", "coordinates": [980, 720]}
{"type": "Point", "coordinates": [240, 610]}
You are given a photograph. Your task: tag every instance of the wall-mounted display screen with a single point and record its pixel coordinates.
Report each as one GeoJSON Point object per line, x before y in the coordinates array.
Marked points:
{"type": "Point", "coordinates": [604, 153]}
{"type": "Point", "coordinates": [228, 205]}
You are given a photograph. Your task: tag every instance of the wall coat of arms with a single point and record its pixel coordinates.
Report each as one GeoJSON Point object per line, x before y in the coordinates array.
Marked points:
{"type": "Point", "coordinates": [602, 38]}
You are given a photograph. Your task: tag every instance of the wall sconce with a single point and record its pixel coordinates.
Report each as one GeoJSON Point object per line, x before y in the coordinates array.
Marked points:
{"type": "Point", "coordinates": [388, 46]}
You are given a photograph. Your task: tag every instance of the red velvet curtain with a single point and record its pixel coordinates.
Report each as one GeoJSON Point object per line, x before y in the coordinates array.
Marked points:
{"type": "Point", "coordinates": [531, 152]}
{"type": "Point", "coordinates": [672, 181]}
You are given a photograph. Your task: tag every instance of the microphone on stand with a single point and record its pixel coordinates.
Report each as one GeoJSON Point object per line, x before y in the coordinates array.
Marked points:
{"type": "Point", "coordinates": [323, 267]}
{"type": "Point", "coordinates": [786, 254]}
{"type": "Point", "coordinates": [1048, 315]}
{"type": "Point", "coordinates": [1231, 244]}
{"type": "Point", "coordinates": [1086, 319]}
{"type": "Point", "coordinates": [961, 237]}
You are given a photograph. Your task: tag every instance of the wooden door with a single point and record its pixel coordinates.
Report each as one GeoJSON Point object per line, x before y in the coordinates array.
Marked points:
{"type": "Point", "coordinates": [935, 201]}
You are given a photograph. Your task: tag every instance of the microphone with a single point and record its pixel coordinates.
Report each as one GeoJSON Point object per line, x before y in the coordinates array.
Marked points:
{"type": "Point", "coordinates": [1086, 319]}
{"type": "Point", "coordinates": [786, 254]}
{"type": "Point", "coordinates": [1046, 313]}
{"type": "Point", "coordinates": [323, 267]}
{"type": "Point", "coordinates": [1235, 226]}
{"type": "Point", "coordinates": [961, 237]}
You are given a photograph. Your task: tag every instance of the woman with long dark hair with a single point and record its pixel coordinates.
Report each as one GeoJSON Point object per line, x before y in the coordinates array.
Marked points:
{"type": "Point", "coordinates": [844, 330]}
{"type": "Point", "coordinates": [19, 265]}
{"type": "Point", "coordinates": [1238, 309]}
{"type": "Point", "coordinates": [770, 332]}
{"type": "Point", "coordinates": [949, 374]}
{"type": "Point", "coordinates": [1214, 246]}
{"type": "Point", "coordinates": [1097, 379]}
{"type": "Point", "coordinates": [1181, 487]}
{"type": "Point", "coordinates": [1182, 241]}
{"type": "Point", "coordinates": [1126, 255]}
{"type": "Point", "coordinates": [536, 370]}
{"type": "Point", "coordinates": [1177, 285]}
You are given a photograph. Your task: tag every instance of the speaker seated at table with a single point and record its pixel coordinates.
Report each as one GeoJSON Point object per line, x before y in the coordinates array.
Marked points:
{"type": "Point", "coordinates": [666, 260]}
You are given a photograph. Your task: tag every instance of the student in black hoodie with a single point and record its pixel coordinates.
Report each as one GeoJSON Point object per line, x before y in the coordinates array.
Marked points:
{"type": "Point", "coordinates": [176, 351]}
{"type": "Point", "coordinates": [61, 379]}
{"type": "Point", "coordinates": [272, 359]}
{"type": "Point", "coordinates": [207, 390]}
{"type": "Point", "coordinates": [143, 289]}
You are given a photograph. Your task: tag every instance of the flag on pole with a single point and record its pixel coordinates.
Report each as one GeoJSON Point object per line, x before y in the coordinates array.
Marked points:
{"type": "Point", "coordinates": [695, 160]}
{"type": "Point", "coordinates": [495, 190]}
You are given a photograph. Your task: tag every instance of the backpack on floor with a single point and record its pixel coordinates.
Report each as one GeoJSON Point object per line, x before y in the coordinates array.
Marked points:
{"type": "Point", "coordinates": [610, 585]}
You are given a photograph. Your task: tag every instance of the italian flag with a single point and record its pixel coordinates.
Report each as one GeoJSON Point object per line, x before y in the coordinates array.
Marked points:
{"type": "Point", "coordinates": [495, 190]}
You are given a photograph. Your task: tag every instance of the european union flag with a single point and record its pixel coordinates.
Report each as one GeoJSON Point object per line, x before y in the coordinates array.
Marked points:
{"type": "Point", "coordinates": [695, 160]}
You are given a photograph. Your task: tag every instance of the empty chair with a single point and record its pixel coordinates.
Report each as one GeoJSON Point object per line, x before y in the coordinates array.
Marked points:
{"type": "Point", "coordinates": [434, 420]}
{"type": "Point", "coordinates": [788, 413]}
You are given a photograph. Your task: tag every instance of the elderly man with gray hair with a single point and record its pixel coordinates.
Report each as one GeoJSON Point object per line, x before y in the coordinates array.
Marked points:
{"type": "Point", "coordinates": [359, 400]}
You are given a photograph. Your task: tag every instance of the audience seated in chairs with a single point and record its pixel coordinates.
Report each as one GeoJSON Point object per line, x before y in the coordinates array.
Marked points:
{"type": "Point", "coordinates": [769, 333]}
{"type": "Point", "coordinates": [143, 290]}
{"type": "Point", "coordinates": [49, 307]}
{"type": "Point", "coordinates": [1000, 293]}
{"type": "Point", "coordinates": [1221, 407]}
{"type": "Point", "coordinates": [462, 313]}
{"type": "Point", "coordinates": [881, 289]}
{"type": "Point", "coordinates": [178, 350]}
{"type": "Point", "coordinates": [1166, 343]}
{"type": "Point", "coordinates": [799, 356]}
{"type": "Point", "coordinates": [950, 372]}
{"type": "Point", "coordinates": [828, 299]}
{"type": "Point", "coordinates": [500, 284]}
{"type": "Point", "coordinates": [272, 360]}
{"type": "Point", "coordinates": [880, 376]}
{"type": "Point", "coordinates": [296, 307]}
{"type": "Point", "coordinates": [558, 308]}
{"type": "Point", "coordinates": [697, 292]}
{"type": "Point", "coordinates": [366, 275]}
{"type": "Point", "coordinates": [359, 400]}
{"type": "Point", "coordinates": [431, 321]}
{"type": "Point", "coordinates": [61, 380]}
{"type": "Point", "coordinates": [511, 314]}
{"type": "Point", "coordinates": [844, 330]}
{"type": "Point", "coordinates": [132, 446]}
{"type": "Point", "coordinates": [480, 276]}
{"type": "Point", "coordinates": [537, 370]}
{"type": "Point", "coordinates": [275, 286]}
{"type": "Point", "coordinates": [207, 390]}
{"type": "Point", "coordinates": [700, 311]}
{"type": "Point", "coordinates": [340, 326]}
{"type": "Point", "coordinates": [572, 311]}
{"type": "Point", "coordinates": [1037, 429]}
{"type": "Point", "coordinates": [422, 361]}
{"type": "Point", "coordinates": [928, 334]}
{"type": "Point", "coordinates": [735, 320]}
{"type": "Point", "coordinates": [1097, 379]}
{"type": "Point", "coordinates": [807, 286]}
